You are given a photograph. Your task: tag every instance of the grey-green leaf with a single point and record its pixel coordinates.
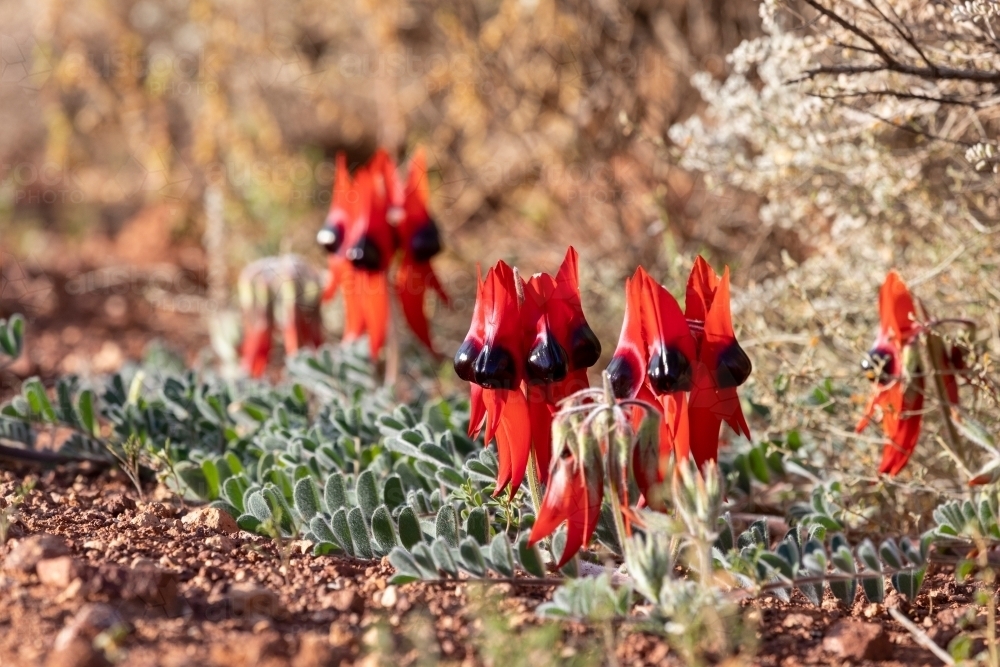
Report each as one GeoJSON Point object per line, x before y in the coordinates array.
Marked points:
{"type": "Point", "coordinates": [501, 555]}
{"type": "Point", "coordinates": [477, 525]}
{"type": "Point", "coordinates": [359, 534]}
{"type": "Point", "coordinates": [409, 528]}
{"type": "Point", "coordinates": [335, 493]}
{"type": "Point", "coordinates": [307, 498]}
{"type": "Point", "coordinates": [446, 525]}
{"type": "Point", "coordinates": [367, 494]}
{"type": "Point", "coordinates": [384, 530]}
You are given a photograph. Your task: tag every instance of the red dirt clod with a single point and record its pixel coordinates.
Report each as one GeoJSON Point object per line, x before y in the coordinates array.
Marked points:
{"type": "Point", "coordinates": [856, 640]}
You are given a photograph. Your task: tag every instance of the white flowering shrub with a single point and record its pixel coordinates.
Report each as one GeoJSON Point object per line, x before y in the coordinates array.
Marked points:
{"type": "Point", "coordinates": [853, 113]}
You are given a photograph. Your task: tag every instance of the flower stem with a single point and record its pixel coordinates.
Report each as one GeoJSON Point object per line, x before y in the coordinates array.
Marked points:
{"type": "Point", "coordinates": [616, 513]}
{"type": "Point", "coordinates": [534, 485]}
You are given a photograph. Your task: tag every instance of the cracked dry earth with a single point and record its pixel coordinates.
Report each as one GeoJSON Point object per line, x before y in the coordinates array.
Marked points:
{"type": "Point", "coordinates": [92, 576]}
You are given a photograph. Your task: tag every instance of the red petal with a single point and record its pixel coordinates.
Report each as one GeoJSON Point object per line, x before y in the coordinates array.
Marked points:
{"type": "Point", "coordinates": [895, 309]}
{"type": "Point", "coordinates": [701, 286]}
{"type": "Point", "coordinates": [255, 349]}
{"type": "Point", "coordinates": [373, 293]}
{"type": "Point", "coordinates": [417, 192]}
{"type": "Point", "coordinates": [555, 503]}
{"type": "Point", "coordinates": [354, 319]}
{"type": "Point", "coordinates": [335, 277]}
{"type": "Point", "coordinates": [663, 323]}
{"type": "Point", "coordinates": [477, 410]}
{"type": "Point", "coordinates": [628, 364]}
{"type": "Point", "coordinates": [540, 412]}
{"type": "Point", "coordinates": [412, 280]}
{"type": "Point", "coordinates": [513, 433]}
{"type": "Point", "coordinates": [704, 417]}
{"type": "Point", "coordinates": [515, 428]}
{"type": "Point", "coordinates": [903, 427]}
{"type": "Point", "coordinates": [719, 335]}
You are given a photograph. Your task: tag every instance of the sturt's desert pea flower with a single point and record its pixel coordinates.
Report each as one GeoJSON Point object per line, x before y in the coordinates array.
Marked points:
{"type": "Point", "coordinates": [370, 217]}
{"type": "Point", "coordinates": [670, 385]}
{"type": "Point", "coordinates": [278, 291]}
{"type": "Point", "coordinates": [421, 241]}
{"type": "Point", "coordinates": [722, 364]}
{"type": "Point", "coordinates": [895, 366]}
{"type": "Point", "coordinates": [528, 348]}
{"type": "Point", "coordinates": [573, 494]}
{"type": "Point", "coordinates": [491, 358]}
{"type": "Point", "coordinates": [687, 364]}
{"type": "Point", "coordinates": [654, 362]}
{"type": "Point", "coordinates": [560, 346]}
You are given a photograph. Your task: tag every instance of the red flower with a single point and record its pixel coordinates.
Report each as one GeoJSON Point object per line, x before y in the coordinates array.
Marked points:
{"type": "Point", "coordinates": [368, 218]}
{"type": "Point", "coordinates": [722, 363]}
{"type": "Point", "coordinates": [894, 366]}
{"type": "Point", "coordinates": [561, 347]}
{"type": "Point", "coordinates": [539, 354]}
{"type": "Point", "coordinates": [343, 207]}
{"type": "Point", "coordinates": [663, 354]}
{"type": "Point", "coordinates": [420, 240]}
{"type": "Point", "coordinates": [573, 495]}
{"type": "Point", "coordinates": [491, 358]}
{"type": "Point", "coordinates": [653, 363]}
{"type": "Point", "coordinates": [661, 358]}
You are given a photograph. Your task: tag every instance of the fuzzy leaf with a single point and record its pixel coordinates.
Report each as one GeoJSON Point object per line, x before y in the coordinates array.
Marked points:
{"type": "Point", "coordinates": [248, 522]}
{"type": "Point", "coordinates": [477, 525]}
{"type": "Point", "coordinates": [409, 528]}
{"type": "Point", "coordinates": [392, 493]}
{"type": "Point", "coordinates": [501, 555]}
{"type": "Point", "coordinates": [335, 493]}
{"type": "Point", "coordinates": [530, 557]}
{"type": "Point", "coordinates": [446, 525]}
{"type": "Point", "coordinates": [359, 534]}
{"type": "Point", "coordinates": [342, 531]}
{"type": "Point", "coordinates": [211, 473]}
{"type": "Point", "coordinates": [307, 498]}
{"type": "Point", "coordinates": [384, 531]}
{"type": "Point", "coordinates": [320, 527]}
{"type": "Point", "coordinates": [367, 494]}
{"type": "Point", "coordinates": [406, 567]}
{"type": "Point", "coordinates": [471, 558]}
{"type": "Point", "coordinates": [233, 490]}
{"type": "Point", "coordinates": [442, 557]}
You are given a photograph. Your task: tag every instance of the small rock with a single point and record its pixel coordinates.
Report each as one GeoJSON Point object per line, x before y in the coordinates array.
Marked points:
{"type": "Point", "coordinates": [873, 610]}
{"type": "Point", "coordinates": [856, 640]}
{"type": "Point", "coordinates": [220, 543]}
{"type": "Point", "coordinates": [74, 645]}
{"type": "Point", "coordinates": [145, 520]}
{"type": "Point", "coordinates": [797, 621]}
{"type": "Point", "coordinates": [389, 597]}
{"type": "Point", "coordinates": [340, 636]}
{"type": "Point", "coordinates": [29, 551]}
{"type": "Point", "coordinates": [314, 651]}
{"type": "Point", "coordinates": [302, 546]}
{"type": "Point", "coordinates": [59, 572]}
{"type": "Point", "coordinates": [70, 591]}
{"type": "Point", "coordinates": [347, 600]}
{"type": "Point", "coordinates": [92, 619]}
{"type": "Point", "coordinates": [246, 599]}
{"type": "Point", "coordinates": [153, 587]}
{"type": "Point", "coordinates": [96, 545]}
{"type": "Point", "coordinates": [118, 503]}
{"type": "Point", "coordinates": [211, 518]}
